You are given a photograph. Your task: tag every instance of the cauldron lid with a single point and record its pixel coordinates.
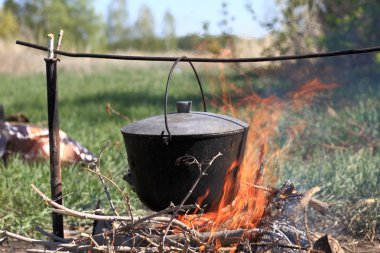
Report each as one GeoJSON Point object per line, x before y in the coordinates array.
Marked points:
{"type": "Point", "coordinates": [187, 124]}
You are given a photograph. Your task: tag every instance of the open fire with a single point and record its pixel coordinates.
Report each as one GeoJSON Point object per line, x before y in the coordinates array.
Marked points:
{"type": "Point", "coordinates": [264, 116]}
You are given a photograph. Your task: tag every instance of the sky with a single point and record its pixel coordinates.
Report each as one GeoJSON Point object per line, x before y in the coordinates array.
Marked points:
{"type": "Point", "coordinates": [190, 15]}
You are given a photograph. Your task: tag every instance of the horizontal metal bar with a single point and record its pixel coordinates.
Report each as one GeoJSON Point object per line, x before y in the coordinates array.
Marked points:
{"type": "Point", "coordinates": [197, 59]}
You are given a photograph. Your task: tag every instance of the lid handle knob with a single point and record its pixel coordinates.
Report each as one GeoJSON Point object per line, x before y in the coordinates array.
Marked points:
{"type": "Point", "coordinates": [184, 106]}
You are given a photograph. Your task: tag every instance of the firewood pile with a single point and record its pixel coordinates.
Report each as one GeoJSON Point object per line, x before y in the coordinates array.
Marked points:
{"type": "Point", "coordinates": [278, 230]}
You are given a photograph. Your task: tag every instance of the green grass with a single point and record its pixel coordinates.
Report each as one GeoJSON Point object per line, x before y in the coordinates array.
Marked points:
{"type": "Point", "coordinates": [339, 150]}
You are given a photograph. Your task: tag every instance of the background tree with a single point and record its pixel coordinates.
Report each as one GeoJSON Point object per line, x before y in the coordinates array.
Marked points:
{"type": "Point", "coordinates": [77, 17]}
{"type": "Point", "coordinates": [169, 35]}
{"type": "Point", "coordinates": [350, 24]}
{"type": "Point", "coordinates": [31, 19]}
{"type": "Point", "coordinates": [9, 27]}
{"type": "Point", "coordinates": [87, 26]}
{"type": "Point", "coordinates": [296, 30]}
{"type": "Point", "coordinates": [323, 25]}
{"type": "Point", "coordinates": [118, 31]}
{"type": "Point", "coordinates": [144, 30]}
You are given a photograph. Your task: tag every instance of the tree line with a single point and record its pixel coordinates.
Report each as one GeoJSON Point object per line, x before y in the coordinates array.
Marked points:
{"type": "Point", "coordinates": [324, 25]}
{"type": "Point", "coordinates": [86, 30]}
{"type": "Point", "coordinates": [302, 26]}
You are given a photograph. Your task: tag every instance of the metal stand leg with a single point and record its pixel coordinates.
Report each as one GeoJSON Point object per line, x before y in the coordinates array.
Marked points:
{"type": "Point", "coordinates": [54, 141]}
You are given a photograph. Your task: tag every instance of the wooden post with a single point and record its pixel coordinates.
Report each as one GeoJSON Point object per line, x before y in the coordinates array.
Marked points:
{"type": "Point", "coordinates": [54, 140]}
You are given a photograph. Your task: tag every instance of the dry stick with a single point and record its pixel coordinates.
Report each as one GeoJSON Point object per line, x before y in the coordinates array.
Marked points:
{"type": "Point", "coordinates": [186, 245]}
{"type": "Point", "coordinates": [114, 235]}
{"type": "Point", "coordinates": [111, 110]}
{"type": "Point", "coordinates": [44, 251]}
{"type": "Point", "coordinates": [64, 210]}
{"type": "Point", "coordinates": [91, 238]}
{"type": "Point", "coordinates": [275, 228]}
{"type": "Point", "coordinates": [150, 217]}
{"type": "Point", "coordinates": [84, 248]}
{"type": "Point", "coordinates": [271, 245]}
{"type": "Point", "coordinates": [201, 174]}
{"type": "Point", "coordinates": [76, 213]}
{"type": "Point", "coordinates": [175, 243]}
{"type": "Point", "coordinates": [2, 240]}
{"type": "Point", "coordinates": [60, 36]}
{"type": "Point", "coordinates": [50, 48]}
{"type": "Point", "coordinates": [234, 236]}
{"type": "Point", "coordinates": [308, 195]}
{"type": "Point", "coordinates": [146, 238]}
{"type": "Point", "coordinates": [71, 246]}
{"type": "Point", "coordinates": [59, 42]}
{"type": "Point", "coordinates": [101, 177]}
{"type": "Point", "coordinates": [68, 211]}
{"type": "Point", "coordinates": [286, 246]}
{"type": "Point", "coordinates": [307, 230]}
{"type": "Point", "coordinates": [125, 196]}
{"type": "Point", "coordinates": [259, 187]}
{"type": "Point", "coordinates": [304, 203]}
{"type": "Point", "coordinates": [165, 211]}
{"type": "Point", "coordinates": [227, 237]}
{"type": "Point", "coordinates": [82, 215]}
{"type": "Point", "coordinates": [347, 248]}
{"type": "Point", "coordinates": [227, 249]}
{"type": "Point", "coordinates": [319, 206]}
{"type": "Point", "coordinates": [35, 241]}
{"type": "Point", "coordinates": [97, 169]}
{"type": "Point", "coordinates": [316, 204]}
{"type": "Point", "coordinates": [116, 248]}
{"type": "Point", "coordinates": [45, 243]}
{"type": "Point", "coordinates": [53, 236]}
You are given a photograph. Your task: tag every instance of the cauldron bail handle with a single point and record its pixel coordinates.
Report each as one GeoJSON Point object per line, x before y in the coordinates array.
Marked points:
{"type": "Point", "coordinates": [167, 138]}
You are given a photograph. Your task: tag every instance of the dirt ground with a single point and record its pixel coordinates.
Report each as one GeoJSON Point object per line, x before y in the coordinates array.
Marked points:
{"type": "Point", "coordinates": [11, 245]}
{"type": "Point", "coordinates": [354, 245]}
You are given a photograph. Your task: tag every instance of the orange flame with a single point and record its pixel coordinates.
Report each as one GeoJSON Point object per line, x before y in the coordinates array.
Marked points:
{"type": "Point", "coordinates": [264, 116]}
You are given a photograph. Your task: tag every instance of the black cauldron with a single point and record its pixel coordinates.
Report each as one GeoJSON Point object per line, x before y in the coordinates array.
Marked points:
{"type": "Point", "coordinates": [154, 144]}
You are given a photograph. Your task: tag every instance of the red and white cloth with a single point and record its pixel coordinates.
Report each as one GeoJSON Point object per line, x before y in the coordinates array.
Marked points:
{"type": "Point", "coordinates": [31, 142]}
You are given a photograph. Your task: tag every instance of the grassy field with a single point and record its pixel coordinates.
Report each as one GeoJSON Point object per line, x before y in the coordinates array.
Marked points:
{"type": "Point", "coordinates": [339, 150]}
{"type": "Point", "coordinates": [137, 93]}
